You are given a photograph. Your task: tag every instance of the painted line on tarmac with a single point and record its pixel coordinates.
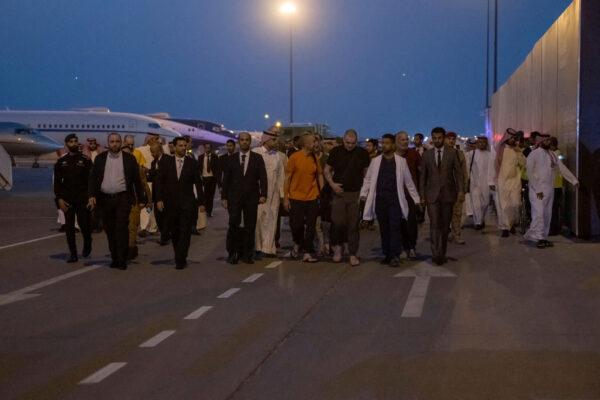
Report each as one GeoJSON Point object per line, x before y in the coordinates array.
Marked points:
{"type": "Point", "coordinates": [156, 340]}
{"type": "Point", "coordinates": [199, 312]}
{"type": "Point", "coordinates": [23, 294]}
{"type": "Point", "coordinates": [252, 278]}
{"type": "Point", "coordinates": [228, 293]}
{"type": "Point", "coordinates": [8, 246]}
{"type": "Point", "coordinates": [274, 264]}
{"type": "Point", "coordinates": [103, 373]}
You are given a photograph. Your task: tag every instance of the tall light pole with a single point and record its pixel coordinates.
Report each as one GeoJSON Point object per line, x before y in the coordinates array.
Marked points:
{"type": "Point", "coordinates": [288, 9]}
{"type": "Point", "coordinates": [495, 46]}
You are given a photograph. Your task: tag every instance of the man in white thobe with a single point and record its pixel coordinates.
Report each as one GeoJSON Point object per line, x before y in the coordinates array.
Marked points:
{"type": "Point", "coordinates": [147, 218]}
{"type": "Point", "coordinates": [542, 167]}
{"type": "Point", "coordinates": [266, 219]}
{"type": "Point", "coordinates": [505, 179]}
{"type": "Point", "coordinates": [478, 162]}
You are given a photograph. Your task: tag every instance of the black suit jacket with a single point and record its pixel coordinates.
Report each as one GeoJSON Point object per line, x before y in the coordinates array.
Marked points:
{"type": "Point", "coordinates": [249, 187]}
{"type": "Point", "coordinates": [131, 170]}
{"type": "Point", "coordinates": [178, 192]}
{"type": "Point", "coordinates": [214, 165]}
{"type": "Point", "coordinates": [441, 184]}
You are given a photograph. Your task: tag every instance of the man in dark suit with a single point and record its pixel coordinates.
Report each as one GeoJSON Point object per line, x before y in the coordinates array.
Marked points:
{"type": "Point", "coordinates": [174, 194]}
{"type": "Point", "coordinates": [441, 184]}
{"type": "Point", "coordinates": [114, 186]}
{"type": "Point", "coordinates": [209, 174]}
{"type": "Point", "coordinates": [244, 187]}
{"type": "Point", "coordinates": [230, 147]}
{"type": "Point", "coordinates": [156, 150]}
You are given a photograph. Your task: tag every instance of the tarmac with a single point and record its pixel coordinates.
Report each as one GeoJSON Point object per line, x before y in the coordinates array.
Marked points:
{"type": "Point", "coordinates": [501, 320]}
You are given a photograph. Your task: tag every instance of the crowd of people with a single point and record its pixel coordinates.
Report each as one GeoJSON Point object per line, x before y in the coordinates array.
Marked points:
{"type": "Point", "coordinates": [327, 190]}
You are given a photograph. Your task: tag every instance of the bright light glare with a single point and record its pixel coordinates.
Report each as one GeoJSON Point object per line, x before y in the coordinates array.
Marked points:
{"type": "Point", "coordinates": [267, 116]}
{"type": "Point", "coordinates": [288, 8]}
{"type": "Point", "coordinates": [278, 124]}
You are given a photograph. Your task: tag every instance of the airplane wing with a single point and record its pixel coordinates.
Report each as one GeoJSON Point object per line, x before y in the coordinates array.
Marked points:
{"type": "Point", "coordinates": [6, 176]}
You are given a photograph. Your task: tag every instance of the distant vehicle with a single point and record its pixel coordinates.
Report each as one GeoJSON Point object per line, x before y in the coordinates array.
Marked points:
{"type": "Point", "coordinates": [292, 130]}
{"type": "Point", "coordinates": [198, 135]}
{"type": "Point", "coordinates": [89, 123]}
{"type": "Point", "coordinates": [20, 140]}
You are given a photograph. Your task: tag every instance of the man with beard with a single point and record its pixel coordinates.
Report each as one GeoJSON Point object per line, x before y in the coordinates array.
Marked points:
{"type": "Point", "coordinates": [71, 175]}
{"type": "Point", "coordinates": [114, 186]}
{"type": "Point", "coordinates": [542, 167]}
{"type": "Point", "coordinates": [505, 179]}
{"type": "Point", "coordinates": [383, 191]}
{"type": "Point", "coordinates": [245, 186]}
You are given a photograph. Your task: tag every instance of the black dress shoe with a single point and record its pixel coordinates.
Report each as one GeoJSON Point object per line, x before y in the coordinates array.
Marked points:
{"type": "Point", "coordinates": [438, 261]}
{"type": "Point", "coordinates": [113, 264]}
{"type": "Point", "coordinates": [395, 262]}
{"type": "Point", "coordinates": [386, 260]}
{"type": "Point", "coordinates": [196, 232]}
{"type": "Point", "coordinates": [478, 227]}
{"type": "Point", "coordinates": [72, 258]}
{"type": "Point", "coordinates": [122, 266]}
{"type": "Point", "coordinates": [513, 230]}
{"type": "Point", "coordinates": [232, 259]}
{"type": "Point", "coordinates": [180, 265]}
{"type": "Point", "coordinates": [548, 243]}
{"type": "Point", "coordinates": [505, 233]}
{"type": "Point", "coordinates": [63, 228]}
{"type": "Point", "coordinates": [87, 250]}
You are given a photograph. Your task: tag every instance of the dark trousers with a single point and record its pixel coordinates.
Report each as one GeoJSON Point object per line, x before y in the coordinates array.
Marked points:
{"type": "Point", "coordinates": [440, 215]}
{"type": "Point", "coordinates": [555, 224]}
{"type": "Point", "coordinates": [389, 217]}
{"type": "Point", "coordinates": [180, 230]}
{"type": "Point", "coordinates": [410, 226]}
{"type": "Point", "coordinates": [115, 211]}
{"type": "Point", "coordinates": [345, 217]}
{"type": "Point", "coordinates": [303, 221]}
{"type": "Point", "coordinates": [240, 239]}
{"type": "Point", "coordinates": [209, 185]}
{"type": "Point", "coordinates": [78, 208]}
{"type": "Point", "coordinates": [161, 223]}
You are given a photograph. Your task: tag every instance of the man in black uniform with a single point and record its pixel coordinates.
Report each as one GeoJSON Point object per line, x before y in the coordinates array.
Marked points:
{"type": "Point", "coordinates": [71, 176]}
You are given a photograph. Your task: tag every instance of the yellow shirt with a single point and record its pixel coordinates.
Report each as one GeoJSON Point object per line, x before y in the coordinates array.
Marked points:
{"type": "Point", "coordinates": [304, 172]}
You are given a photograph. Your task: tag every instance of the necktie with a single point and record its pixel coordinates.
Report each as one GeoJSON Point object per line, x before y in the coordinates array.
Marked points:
{"type": "Point", "coordinates": [208, 163]}
{"type": "Point", "coordinates": [179, 166]}
{"type": "Point", "coordinates": [439, 159]}
{"type": "Point", "coordinates": [243, 164]}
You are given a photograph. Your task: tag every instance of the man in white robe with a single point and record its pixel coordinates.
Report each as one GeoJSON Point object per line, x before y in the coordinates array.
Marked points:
{"type": "Point", "coordinates": [542, 167]}
{"type": "Point", "coordinates": [505, 179]}
{"type": "Point", "coordinates": [266, 220]}
{"type": "Point", "coordinates": [478, 162]}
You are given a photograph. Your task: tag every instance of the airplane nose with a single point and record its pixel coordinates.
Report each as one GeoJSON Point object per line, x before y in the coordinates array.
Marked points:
{"type": "Point", "coordinates": [47, 145]}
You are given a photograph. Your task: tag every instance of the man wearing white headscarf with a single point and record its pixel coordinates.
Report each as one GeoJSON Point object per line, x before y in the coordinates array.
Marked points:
{"type": "Point", "coordinates": [542, 167]}
{"type": "Point", "coordinates": [504, 177]}
{"type": "Point", "coordinates": [266, 220]}
{"type": "Point", "coordinates": [478, 162]}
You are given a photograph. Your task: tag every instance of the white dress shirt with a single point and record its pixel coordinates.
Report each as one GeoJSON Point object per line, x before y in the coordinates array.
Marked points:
{"type": "Point", "coordinates": [114, 174]}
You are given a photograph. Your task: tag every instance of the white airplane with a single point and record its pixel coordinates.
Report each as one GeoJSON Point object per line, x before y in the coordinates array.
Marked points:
{"type": "Point", "coordinates": [198, 135]}
{"type": "Point", "coordinates": [89, 123]}
{"type": "Point", "coordinates": [19, 140]}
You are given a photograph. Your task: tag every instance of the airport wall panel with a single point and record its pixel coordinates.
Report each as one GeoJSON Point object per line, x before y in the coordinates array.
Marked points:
{"type": "Point", "coordinates": [549, 81]}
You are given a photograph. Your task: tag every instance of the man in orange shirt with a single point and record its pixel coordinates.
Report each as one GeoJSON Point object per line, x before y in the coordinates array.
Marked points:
{"type": "Point", "coordinates": [303, 183]}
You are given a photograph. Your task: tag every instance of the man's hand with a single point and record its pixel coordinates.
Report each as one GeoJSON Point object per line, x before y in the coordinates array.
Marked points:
{"type": "Point", "coordinates": [286, 204]}
{"type": "Point", "coordinates": [540, 195]}
{"type": "Point", "coordinates": [160, 206]}
{"type": "Point", "coordinates": [262, 200]}
{"type": "Point", "coordinates": [493, 187]}
{"type": "Point", "coordinates": [63, 205]}
{"type": "Point", "coordinates": [202, 209]}
{"type": "Point", "coordinates": [337, 188]}
{"type": "Point", "coordinates": [91, 203]}
{"type": "Point", "coordinates": [224, 203]}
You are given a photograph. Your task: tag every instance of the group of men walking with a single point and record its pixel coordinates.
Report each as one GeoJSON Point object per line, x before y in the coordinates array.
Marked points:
{"type": "Point", "coordinates": [326, 193]}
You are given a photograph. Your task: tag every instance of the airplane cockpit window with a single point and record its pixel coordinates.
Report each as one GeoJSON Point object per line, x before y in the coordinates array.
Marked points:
{"type": "Point", "coordinates": [22, 131]}
{"type": "Point", "coordinates": [153, 125]}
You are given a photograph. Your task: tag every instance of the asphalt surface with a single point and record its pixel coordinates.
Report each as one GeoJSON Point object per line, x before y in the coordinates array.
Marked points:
{"type": "Point", "coordinates": [515, 322]}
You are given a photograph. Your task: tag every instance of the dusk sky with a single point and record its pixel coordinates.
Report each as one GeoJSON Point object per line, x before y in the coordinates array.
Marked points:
{"type": "Point", "coordinates": [376, 65]}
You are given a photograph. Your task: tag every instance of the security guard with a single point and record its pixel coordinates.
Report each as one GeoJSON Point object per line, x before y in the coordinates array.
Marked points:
{"type": "Point", "coordinates": [71, 176]}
